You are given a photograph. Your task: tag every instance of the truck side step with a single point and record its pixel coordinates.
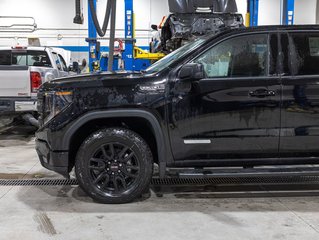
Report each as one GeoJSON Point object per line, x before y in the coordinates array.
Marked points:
{"type": "Point", "coordinates": [246, 172]}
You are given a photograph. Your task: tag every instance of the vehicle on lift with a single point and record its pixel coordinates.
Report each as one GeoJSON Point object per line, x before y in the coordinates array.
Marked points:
{"type": "Point", "coordinates": [22, 71]}
{"type": "Point", "coordinates": [190, 19]}
{"type": "Point", "coordinates": [236, 101]}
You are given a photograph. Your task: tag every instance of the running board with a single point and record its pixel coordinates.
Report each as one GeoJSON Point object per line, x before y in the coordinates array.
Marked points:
{"type": "Point", "coordinates": [245, 172]}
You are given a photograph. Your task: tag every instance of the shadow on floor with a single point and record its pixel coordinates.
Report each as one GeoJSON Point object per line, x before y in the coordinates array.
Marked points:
{"type": "Point", "coordinates": [175, 199]}
{"type": "Point", "coordinates": [17, 131]}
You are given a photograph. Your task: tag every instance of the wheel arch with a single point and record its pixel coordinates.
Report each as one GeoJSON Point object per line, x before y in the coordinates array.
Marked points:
{"type": "Point", "coordinates": [159, 134]}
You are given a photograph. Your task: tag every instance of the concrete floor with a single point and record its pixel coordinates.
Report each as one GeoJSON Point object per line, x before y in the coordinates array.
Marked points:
{"type": "Point", "coordinates": [64, 212]}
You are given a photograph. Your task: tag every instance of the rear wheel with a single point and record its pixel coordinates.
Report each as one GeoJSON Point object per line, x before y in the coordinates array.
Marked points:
{"type": "Point", "coordinates": [114, 165]}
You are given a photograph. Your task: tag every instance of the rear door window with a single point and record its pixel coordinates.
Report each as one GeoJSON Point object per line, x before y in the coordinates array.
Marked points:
{"type": "Point", "coordinates": [304, 48]}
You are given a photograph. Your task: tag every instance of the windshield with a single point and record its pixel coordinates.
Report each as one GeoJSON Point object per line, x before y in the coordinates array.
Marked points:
{"type": "Point", "coordinates": [174, 56]}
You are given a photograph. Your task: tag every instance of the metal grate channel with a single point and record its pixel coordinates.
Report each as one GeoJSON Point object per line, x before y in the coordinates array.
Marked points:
{"type": "Point", "coordinates": [175, 181]}
{"type": "Point", "coordinates": [38, 182]}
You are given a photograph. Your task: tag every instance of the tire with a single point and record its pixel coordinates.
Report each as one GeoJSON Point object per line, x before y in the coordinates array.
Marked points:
{"type": "Point", "coordinates": [114, 166]}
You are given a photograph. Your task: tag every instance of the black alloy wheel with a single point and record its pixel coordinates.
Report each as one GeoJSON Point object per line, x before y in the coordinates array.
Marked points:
{"type": "Point", "coordinates": [114, 168]}
{"type": "Point", "coordinates": [114, 165]}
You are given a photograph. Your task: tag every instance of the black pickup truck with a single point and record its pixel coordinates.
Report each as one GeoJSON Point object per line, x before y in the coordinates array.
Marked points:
{"type": "Point", "coordinates": [240, 99]}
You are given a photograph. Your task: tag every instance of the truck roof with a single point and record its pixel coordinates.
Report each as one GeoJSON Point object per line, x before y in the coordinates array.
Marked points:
{"type": "Point", "coordinates": [276, 28]}
{"type": "Point", "coordinates": [265, 29]}
{"type": "Point", "coordinates": [27, 47]}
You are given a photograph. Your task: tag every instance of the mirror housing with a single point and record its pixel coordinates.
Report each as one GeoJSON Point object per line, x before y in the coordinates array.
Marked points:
{"type": "Point", "coordinates": [154, 27]}
{"type": "Point", "coordinates": [191, 72]}
{"type": "Point", "coordinates": [74, 67]}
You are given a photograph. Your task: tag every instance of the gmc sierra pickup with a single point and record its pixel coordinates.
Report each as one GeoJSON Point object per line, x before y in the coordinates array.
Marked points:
{"type": "Point", "coordinates": [242, 101]}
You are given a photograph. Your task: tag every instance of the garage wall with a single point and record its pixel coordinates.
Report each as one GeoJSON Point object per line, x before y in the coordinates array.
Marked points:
{"type": "Point", "coordinates": [58, 14]}
{"type": "Point", "coordinates": [55, 17]}
{"type": "Point", "coordinates": [269, 12]}
{"type": "Point", "coordinates": [305, 11]}
{"type": "Point", "coordinates": [242, 7]}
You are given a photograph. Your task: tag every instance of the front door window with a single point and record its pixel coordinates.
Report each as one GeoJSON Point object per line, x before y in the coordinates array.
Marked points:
{"type": "Point", "coordinates": [243, 56]}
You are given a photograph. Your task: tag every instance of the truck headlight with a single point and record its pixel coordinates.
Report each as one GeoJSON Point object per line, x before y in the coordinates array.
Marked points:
{"type": "Point", "coordinates": [56, 102]}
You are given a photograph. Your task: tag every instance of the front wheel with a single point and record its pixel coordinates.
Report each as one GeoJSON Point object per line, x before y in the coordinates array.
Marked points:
{"type": "Point", "coordinates": [114, 165]}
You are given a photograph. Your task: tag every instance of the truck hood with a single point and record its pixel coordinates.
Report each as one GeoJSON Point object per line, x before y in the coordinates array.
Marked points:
{"type": "Point", "coordinates": [103, 79]}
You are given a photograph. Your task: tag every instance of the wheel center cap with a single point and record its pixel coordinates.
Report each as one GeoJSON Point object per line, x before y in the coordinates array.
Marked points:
{"type": "Point", "coordinates": [114, 167]}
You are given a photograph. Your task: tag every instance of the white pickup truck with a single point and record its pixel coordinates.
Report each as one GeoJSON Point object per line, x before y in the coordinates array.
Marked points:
{"type": "Point", "coordinates": [22, 71]}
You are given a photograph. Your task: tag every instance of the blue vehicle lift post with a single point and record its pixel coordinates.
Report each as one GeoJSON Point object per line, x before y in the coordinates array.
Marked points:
{"type": "Point", "coordinates": [93, 54]}
{"type": "Point", "coordinates": [129, 36]}
{"type": "Point", "coordinates": [130, 61]}
{"type": "Point", "coordinates": [253, 6]}
{"type": "Point", "coordinates": [131, 64]}
{"type": "Point", "coordinates": [288, 12]}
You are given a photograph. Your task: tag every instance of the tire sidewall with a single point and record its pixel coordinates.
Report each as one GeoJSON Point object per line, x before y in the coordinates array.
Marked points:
{"type": "Point", "coordinates": [114, 135]}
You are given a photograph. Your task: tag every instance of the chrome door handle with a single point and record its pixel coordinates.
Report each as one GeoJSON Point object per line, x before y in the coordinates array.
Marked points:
{"type": "Point", "coordinates": [261, 93]}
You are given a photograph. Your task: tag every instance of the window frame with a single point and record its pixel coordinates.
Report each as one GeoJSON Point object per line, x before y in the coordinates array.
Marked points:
{"type": "Point", "coordinates": [57, 61]}
{"type": "Point", "coordinates": [63, 63]}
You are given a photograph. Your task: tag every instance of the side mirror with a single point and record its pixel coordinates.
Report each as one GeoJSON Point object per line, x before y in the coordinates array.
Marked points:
{"type": "Point", "coordinates": [154, 27]}
{"type": "Point", "coordinates": [191, 72]}
{"type": "Point", "coordinates": [75, 67]}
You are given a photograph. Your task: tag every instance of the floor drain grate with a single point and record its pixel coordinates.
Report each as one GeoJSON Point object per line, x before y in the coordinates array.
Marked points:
{"type": "Point", "coordinates": [37, 182]}
{"type": "Point", "coordinates": [175, 181]}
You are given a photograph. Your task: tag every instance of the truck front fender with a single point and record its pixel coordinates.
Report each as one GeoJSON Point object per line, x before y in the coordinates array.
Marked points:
{"type": "Point", "coordinates": [161, 140]}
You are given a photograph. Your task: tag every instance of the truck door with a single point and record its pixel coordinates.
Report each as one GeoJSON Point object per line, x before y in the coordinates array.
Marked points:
{"type": "Point", "coordinates": [300, 109]}
{"type": "Point", "coordinates": [235, 111]}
